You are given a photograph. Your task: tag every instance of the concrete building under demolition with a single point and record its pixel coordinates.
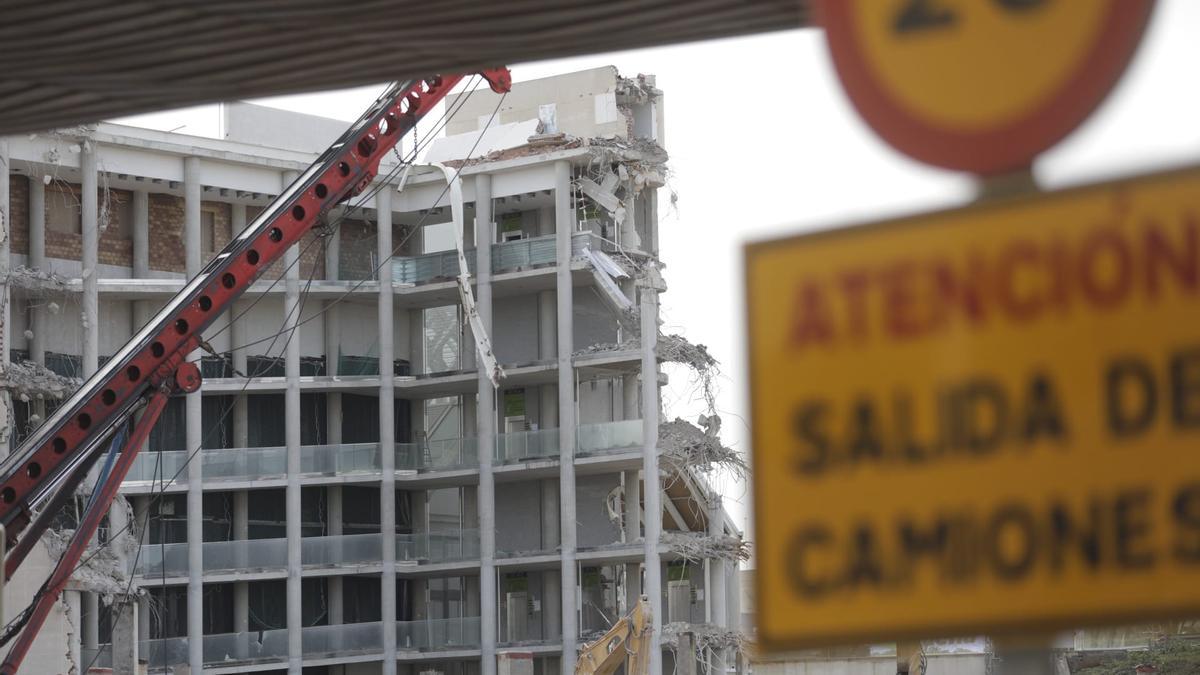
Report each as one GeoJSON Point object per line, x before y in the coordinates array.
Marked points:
{"type": "Point", "coordinates": [517, 489]}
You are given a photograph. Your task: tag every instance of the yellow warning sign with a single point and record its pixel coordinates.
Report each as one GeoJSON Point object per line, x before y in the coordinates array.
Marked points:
{"type": "Point", "coordinates": [980, 420]}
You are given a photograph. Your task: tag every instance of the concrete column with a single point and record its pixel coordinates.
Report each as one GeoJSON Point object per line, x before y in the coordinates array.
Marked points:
{"type": "Point", "coordinates": [241, 589]}
{"type": "Point", "coordinates": [37, 260]}
{"type": "Point", "coordinates": [387, 437]}
{"type": "Point", "coordinates": [91, 620]}
{"type": "Point", "coordinates": [652, 514]}
{"type": "Point", "coordinates": [546, 221]}
{"type": "Point", "coordinates": [564, 220]}
{"type": "Point", "coordinates": [125, 636]}
{"type": "Point", "coordinates": [141, 511]}
{"type": "Point", "coordinates": [291, 311]}
{"type": "Point", "coordinates": [90, 257]}
{"type": "Point", "coordinates": [333, 503]}
{"type": "Point", "coordinates": [237, 337]}
{"type": "Point", "coordinates": [6, 406]}
{"type": "Point", "coordinates": [632, 532]}
{"type": "Point", "coordinates": [141, 233]}
{"type": "Point", "coordinates": [74, 618]}
{"type": "Point", "coordinates": [194, 433]}
{"type": "Point", "coordinates": [485, 425]}
{"type": "Point", "coordinates": [240, 419]}
{"type": "Point", "coordinates": [552, 586]}
{"type": "Point", "coordinates": [718, 613]}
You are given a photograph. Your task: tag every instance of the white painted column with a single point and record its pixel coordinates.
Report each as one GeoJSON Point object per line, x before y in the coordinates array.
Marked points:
{"type": "Point", "coordinates": [387, 436]}
{"type": "Point", "coordinates": [89, 259]}
{"type": "Point", "coordinates": [74, 618]}
{"type": "Point", "coordinates": [240, 421]}
{"type": "Point", "coordinates": [194, 434]}
{"type": "Point", "coordinates": [141, 511]}
{"type": "Point", "coordinates": [37, 260]}
{"type": "Point", "coordinates": [333, 421]}
{"type": "Point", "coordinates": [6, 405]}
{"type": "Point", "coordinates": [564, 227]}
{"type": "Point", "coordinates": [716, 585]}
{"type": "Point", "coordinates": [485, 425]}
{"type": "Point", "coordinates": [552, 583]}
{"type": "Point", "coordinates": [334, 515]}
{"type": "Point", "coordinates": [291, 310]}
{"type": "Point", "coordinates": [90, 302]}
{"type": "Point", "coordinates": [90, 227]}
{"type": "Point", "coordinates": [632, 532]}
{"type": "Point", "coordinates": [241, 589]}
{"type": "Point", "coordinates": [652, 514]}
{"type": "Point", "coordinates": [141, 234]}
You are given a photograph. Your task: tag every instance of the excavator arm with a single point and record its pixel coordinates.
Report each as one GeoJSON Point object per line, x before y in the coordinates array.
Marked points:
{"type": "Point", "coordinates": [40, 475]}
{"type": "Point", "coordinates": [625, 643]}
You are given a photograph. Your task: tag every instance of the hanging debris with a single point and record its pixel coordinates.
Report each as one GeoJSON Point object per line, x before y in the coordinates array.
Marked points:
{"type": "Point", "coordinates": [42, 283]}
{"type": "Point", "coordinates": [685, 445]}
{"type": "Point", "coordinates": [27, 380]}
{"type": "Point", "coordinates": [697, 547]}
{"type": "Point", "coordinates": [707, 638]}
{"type": "Point", "coordinates": [106, 569]}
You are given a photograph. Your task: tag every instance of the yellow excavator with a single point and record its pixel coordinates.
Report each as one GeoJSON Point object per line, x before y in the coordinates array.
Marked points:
{"type": "Point", "coordinates": [627, 642]}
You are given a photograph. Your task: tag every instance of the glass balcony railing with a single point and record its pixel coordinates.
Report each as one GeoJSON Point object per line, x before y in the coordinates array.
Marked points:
{"type": "Point", "coordinates": [506, 256]}
{"type": "Point", "coordinates": [438, 634]}
{"type": "Point", "coordinates": [230, 464]}
{"type": "Point", "coordinates": [525, 446]}
{"type": "Point", "coordinates": [350, 639]}
{"type": "Point", "coordinates": [456, 453]}
{"type": "Point", "coordinates": [247, 464]}
{"type": "Point", "coordinates": [441, 546]}
{"type": "Point", "coordinates": [608, 437]}
{"type": "Point", "coordinates": [342, 640]}
{"type": "Point", "coordinates": [269, 645]}
{"type": "Point", "coordinates": [348, 549]}
{"type": "Point", "coordinates": [329, 551]}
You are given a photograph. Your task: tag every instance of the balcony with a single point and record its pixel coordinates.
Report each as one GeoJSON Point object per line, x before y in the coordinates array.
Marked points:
{"type": "Point", "coordinates": [508, 256]}
{"type": "Point", "coordinates": [363, 460]}
{"type": "Point", "coordinates": [428, 635]}
{"type": "Point", "coordinates": [606, 438]}
{"type": "Point", "coordinates": [438, 547]}
{"type": "Point", "coordinates": [526, 446]}
{"type": "Point", "coordinates": [263, 555]}
{"type": "Point", "coordinates": [246, 464]}
{"type": "Point", "coordinates": [441, 455]}
{"type": "Point", "coordinates": [318, 642]}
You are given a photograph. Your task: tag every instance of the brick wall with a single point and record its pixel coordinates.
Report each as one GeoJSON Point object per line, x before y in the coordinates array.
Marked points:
{"type": "Point", "coordinates": [18, 213]}
{"type": "Point", "coordinates": [166, 233]}
{"type": "Point", "coordinates": [115, 245]}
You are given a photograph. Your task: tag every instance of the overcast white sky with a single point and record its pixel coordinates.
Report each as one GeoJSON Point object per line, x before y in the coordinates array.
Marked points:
{"type": "Point", "coordinates": [764, 143]}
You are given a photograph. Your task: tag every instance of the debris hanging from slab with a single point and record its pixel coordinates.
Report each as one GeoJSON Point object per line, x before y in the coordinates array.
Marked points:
{"type": "Point", "coordinates": [28, 380]}
{"type": "Point", "coordinates": [685, 445]}
{"type": "Point", "coordinates": [696, 546]}
{"type": "Point", "coordinates": [707, 637]}
{"type": "Point", "coordinates": [40, 282]}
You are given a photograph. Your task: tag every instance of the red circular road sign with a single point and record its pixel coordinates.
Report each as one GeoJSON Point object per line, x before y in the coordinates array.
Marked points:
{"type": "Point", "coordinates": [979, 85]}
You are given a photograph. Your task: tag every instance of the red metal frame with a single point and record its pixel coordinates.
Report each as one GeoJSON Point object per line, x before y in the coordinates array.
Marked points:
{"type": "Point", "coordinates": [87, 528]}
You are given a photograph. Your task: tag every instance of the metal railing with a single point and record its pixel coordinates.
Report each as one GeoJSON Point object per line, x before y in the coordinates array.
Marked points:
{"type": "Point", "coordinates": [249, 464]}
{"type": "Point", "coordinates": [506, 257]}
